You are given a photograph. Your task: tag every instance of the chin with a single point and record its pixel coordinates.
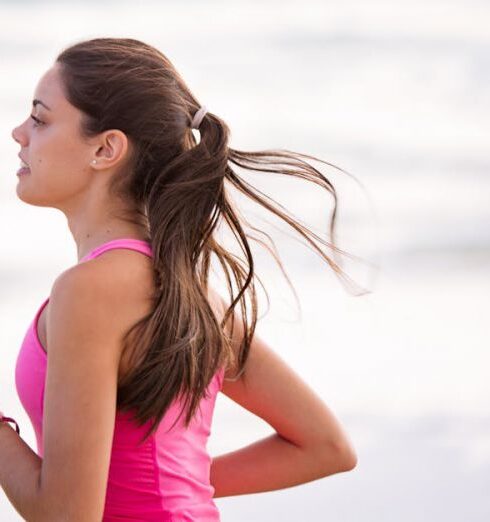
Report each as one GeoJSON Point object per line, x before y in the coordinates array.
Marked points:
{"type": "Point", "coordinates": [31, 198]}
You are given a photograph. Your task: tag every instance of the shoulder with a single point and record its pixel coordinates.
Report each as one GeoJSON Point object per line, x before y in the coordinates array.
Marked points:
{"type": "Point", "coordinates": [107, 294]}
{"type": "Point", "coordinates": [117, 274]}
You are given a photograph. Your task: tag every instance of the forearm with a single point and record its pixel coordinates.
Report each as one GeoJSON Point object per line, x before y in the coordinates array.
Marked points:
{"type": "Point", "coordinates": [20, 469]}
{"type": "Point", "coordinates": [269, 464]}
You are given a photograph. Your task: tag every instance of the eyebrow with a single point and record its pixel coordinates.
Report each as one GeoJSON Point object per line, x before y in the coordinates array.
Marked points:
{"type": "Point", "coordinates": [36, 102]}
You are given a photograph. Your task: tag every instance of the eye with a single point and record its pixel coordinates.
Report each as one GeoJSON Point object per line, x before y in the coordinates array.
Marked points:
{"type": "Point", "coordinates": [37, 121]}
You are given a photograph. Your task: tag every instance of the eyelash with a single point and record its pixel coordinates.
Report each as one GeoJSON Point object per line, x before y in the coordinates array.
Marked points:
{"type": "Point", "coordinates": [37, 121]}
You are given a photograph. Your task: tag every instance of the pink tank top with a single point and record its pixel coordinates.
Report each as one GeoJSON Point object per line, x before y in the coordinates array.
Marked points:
{"type": "Point", "coordinates": [167, 477]}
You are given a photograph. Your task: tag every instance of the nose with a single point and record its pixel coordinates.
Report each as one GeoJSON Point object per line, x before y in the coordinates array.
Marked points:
{"type": "Point", "coordinates": [18, 135]}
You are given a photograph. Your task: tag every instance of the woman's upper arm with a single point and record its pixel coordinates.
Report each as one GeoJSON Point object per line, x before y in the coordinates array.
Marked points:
{"type": "Point", "coordinates": [272, 390]}
{"type": "Point", "coordinates": [83, 337]}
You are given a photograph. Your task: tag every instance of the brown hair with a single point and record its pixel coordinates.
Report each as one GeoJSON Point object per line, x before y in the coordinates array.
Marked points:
{"type": "Point", "coordinates": [176, 188]}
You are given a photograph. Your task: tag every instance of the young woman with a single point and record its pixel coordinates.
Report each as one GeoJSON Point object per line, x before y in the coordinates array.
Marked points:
{"type": "Point", "coordinates": [120, 367]}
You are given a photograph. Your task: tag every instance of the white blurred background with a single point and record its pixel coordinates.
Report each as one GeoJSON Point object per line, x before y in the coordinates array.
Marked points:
{"type": "Point", "coordinates": [394, 92]}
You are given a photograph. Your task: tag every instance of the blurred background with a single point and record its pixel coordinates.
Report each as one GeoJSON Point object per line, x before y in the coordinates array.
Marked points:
{"type": "Point", "coordinates": [394, 92]}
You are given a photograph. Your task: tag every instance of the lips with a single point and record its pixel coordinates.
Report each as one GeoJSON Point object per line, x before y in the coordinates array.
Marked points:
{"type": "Point", "coordinates": [24, 167]}
{"type": "Point", "coordinates": [23, 163]}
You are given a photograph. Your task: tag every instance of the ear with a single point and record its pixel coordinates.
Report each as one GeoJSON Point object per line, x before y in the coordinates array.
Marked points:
{"type": "Point", "coordinates": [112, 150]}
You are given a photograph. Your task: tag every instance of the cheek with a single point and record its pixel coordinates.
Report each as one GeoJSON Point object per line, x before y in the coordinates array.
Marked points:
{"type": "Point", "coordinates": [56, 145]}
{"type": "Point", "coordinates": [57, 157]}
{"type": "Point", "coordinates": [59, 169]}
{"type": "Point", "coordinates": [52, 182]}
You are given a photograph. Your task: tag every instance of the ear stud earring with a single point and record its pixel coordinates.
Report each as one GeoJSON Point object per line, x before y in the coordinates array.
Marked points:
{"type": "Point", "coordinates": [94, 161]}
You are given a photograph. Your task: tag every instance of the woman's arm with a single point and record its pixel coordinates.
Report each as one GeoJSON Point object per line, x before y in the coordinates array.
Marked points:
{"type": "Point", "coordinates": [309, 442]}
{"type": "Point", "coordinates": [86, 319]}
{"type": "Point", "coordinates": [20, 468]}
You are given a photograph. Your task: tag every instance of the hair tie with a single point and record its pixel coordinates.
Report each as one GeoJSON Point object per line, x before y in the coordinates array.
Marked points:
{"type": "Point", "coordinates": [196, 121]}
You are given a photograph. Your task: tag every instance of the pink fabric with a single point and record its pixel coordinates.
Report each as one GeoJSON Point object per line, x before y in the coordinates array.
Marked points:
{"type": "Point", "coordinates": [164, 479]}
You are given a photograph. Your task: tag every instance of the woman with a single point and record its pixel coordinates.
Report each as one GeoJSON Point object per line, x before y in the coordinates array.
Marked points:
{"type": "Point", "coordinates": [120, 368]}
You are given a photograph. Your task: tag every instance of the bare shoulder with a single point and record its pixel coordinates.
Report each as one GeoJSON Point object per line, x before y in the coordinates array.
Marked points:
{"type": "Point", "coordinates": [117, 284]}
{"type": "Point", "coordinates": [127, 266]}
{"type": "Point", "coordinates": [120, 275]}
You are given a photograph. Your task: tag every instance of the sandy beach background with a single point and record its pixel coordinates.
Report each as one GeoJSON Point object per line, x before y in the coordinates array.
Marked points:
{"type": "Point", "coordinates": [395, 93]}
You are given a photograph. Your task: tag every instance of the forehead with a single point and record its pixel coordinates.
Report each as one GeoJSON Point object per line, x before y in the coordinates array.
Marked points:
{"type": "Point", "coordinates": [49, 90]}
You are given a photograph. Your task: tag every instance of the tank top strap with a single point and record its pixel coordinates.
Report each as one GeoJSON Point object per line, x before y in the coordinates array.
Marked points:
{"type": "Point", "coordinates": [130, 243]}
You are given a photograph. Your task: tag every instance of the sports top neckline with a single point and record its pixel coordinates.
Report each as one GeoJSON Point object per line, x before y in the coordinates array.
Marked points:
{"type": "Point", "coordinates": [94, 251]}
{"type": "Point", "coordinates": [123, 240]}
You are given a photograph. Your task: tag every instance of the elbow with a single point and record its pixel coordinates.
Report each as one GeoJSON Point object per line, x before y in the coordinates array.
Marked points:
{"type": "Point", "coordinates": [339, 457]}
{"type": "Point", "coordinates": [349, 460]}
{"type": "Point", "coordinates": [347, 457]}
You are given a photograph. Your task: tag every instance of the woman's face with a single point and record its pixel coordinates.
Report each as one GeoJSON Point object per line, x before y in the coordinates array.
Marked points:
{"type": "Point", "coordinates": [58, 159]}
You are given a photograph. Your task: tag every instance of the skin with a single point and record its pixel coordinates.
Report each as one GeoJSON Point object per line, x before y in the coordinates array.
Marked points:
{"type": "Point", "coordinates": [62, 173]}
{"type": "Point", "coordinates": [63, 176]}
{"type": "Point", "coordinates": [110, 293]}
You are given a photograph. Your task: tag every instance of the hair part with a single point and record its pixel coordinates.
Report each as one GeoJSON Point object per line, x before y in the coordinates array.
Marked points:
{"type": "Point", "coordinates": [177, 189]}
